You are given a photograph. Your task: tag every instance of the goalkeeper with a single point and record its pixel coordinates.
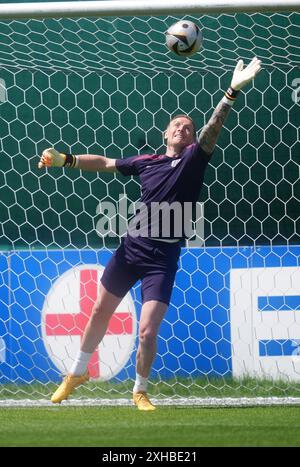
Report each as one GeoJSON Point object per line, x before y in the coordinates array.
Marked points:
{"type": "Point", "coordinates": [175, 176]}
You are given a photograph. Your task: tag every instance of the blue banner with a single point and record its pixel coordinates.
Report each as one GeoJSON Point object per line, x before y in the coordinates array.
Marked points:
{"type": "Point", "coordinates": [46, 298]}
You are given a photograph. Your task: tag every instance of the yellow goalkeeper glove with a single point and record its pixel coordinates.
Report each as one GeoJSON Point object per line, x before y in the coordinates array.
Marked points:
{"type": "Point", "coordinates": [52, 158]}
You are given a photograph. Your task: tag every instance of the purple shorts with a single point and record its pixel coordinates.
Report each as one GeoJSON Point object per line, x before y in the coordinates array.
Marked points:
{"type": "Point", "coordinates": [151, 261]}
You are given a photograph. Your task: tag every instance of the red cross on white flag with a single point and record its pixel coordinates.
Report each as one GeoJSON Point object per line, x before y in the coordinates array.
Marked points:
{"type": "Point", "coordinates": [66, 312]}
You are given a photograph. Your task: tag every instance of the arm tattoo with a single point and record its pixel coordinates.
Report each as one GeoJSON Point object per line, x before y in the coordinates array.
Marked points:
{"type": "Point", "coordinates": [210, 132]}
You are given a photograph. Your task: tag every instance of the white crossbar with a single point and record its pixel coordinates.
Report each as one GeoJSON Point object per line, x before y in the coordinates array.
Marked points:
{"type": "Point", "coordinates": [141, 8]}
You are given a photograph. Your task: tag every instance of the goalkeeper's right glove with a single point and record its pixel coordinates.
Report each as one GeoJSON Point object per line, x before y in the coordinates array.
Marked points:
{"type": "Point", "coordinates": [52, 158]}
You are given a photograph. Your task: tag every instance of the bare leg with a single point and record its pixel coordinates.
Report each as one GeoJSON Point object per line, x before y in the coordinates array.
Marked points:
{"type": "Point", "coordinates": [93, 334]}
{"type": "Point", "coordinates": [99, 320]}
{"type": "Point", "coordinates": [151, 317]}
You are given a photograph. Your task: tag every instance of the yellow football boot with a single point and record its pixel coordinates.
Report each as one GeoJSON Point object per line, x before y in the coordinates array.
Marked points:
{"type": "Point", "coordinates": [69, 383]}
{"type": "Point", "coordinates": [142, 402]}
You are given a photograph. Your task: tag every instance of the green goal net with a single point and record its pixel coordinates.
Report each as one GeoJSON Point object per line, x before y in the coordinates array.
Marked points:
{"type": "Point", "coordinates": [110, 86]}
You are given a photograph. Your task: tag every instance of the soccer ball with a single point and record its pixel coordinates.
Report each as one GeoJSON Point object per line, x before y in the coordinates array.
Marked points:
{"type": "Point", "coordinates": [184, 38]}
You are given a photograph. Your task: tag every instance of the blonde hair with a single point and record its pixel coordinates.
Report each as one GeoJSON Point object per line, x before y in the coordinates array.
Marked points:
{"type": "Point", "coordinates": [184, 116]}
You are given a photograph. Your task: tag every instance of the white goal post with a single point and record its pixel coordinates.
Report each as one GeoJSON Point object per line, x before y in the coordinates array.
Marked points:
{"type": "Point", "coordinates": [141, 8]}
{"type": "Point", "coordinates": [96, 77]}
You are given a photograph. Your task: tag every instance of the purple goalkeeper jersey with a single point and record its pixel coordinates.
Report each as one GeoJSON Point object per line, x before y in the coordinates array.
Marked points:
{"type": "Point", "coordinates": [168, 179]}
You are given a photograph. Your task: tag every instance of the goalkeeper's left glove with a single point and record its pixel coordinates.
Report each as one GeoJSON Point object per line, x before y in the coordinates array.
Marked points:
{"type": "Point", "coordinates": [241, 77]}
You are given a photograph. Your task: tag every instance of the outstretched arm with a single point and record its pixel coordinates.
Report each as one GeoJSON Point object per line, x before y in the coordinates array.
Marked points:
{"type": "Point", "coordinates": [241, 76]}
{"type": "Point", "coordinates": [88, 162]}
{"type": "Point", "coordinates": [210, 132]}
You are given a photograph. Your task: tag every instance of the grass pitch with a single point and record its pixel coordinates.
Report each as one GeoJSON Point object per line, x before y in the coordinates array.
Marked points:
{"type": "Point", "coordinates": [166, 427]}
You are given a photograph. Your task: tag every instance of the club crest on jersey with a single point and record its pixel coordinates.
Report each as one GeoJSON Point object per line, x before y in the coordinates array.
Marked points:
{"type": "Point", "coordinates": [174, 163]}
